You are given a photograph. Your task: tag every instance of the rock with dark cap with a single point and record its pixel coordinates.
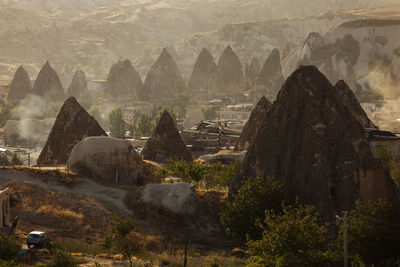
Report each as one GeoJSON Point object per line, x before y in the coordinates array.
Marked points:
{"type": "Point", "coordinates": [347, 97]}
{"type": "Point", "coordinates": [311, 141]}
{"type": "Point", "coordinates": [20, 87]}
{"type": "Point", "coordinates": [164, 80]}
{"type": "Point", "coordinates": [124, 81]}
{"type": "Point", "coordinates": [253, 125]}
{"type": "Point", "coordinates": [202, 74]}
{"type": "Point", "coordinates": [48, 84]}
{"type": "Point", "coordinates": [78, 85]}
{"type": "Point", "coordinates": [229, 77]}
{"type": "Point", "coordinates": [72, 124]}
{"type": "Point", "coordinates": [166, 142]}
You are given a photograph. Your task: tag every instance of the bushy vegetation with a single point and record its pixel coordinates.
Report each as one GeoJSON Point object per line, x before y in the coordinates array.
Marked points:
{"type": "Point", "coordinates": [117, 124]}
{"type": "Point", "coordinates": [247, 207]}
{"type": "Point", "coordinates": [62, 259]}
{"type": "Point", "coordinates": [210, 113]}
{"type": "Point", "coordinates": [214, 176]}
{"type": "Point", "coordinates": [294, 237]}
{"type": "Point", "coordinates": [9, 247]}
{"type": "Point", "coordinates": [145, 124]}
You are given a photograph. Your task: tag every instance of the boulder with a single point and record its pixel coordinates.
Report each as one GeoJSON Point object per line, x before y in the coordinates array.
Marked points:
{"type": "Point", "coordinates": [164, 80]}
{"type": "Point", "coordinates": [270, 77]}
{"type": "Point", "coordinates": [20, 86]}
{"type": "Point", "coordinates": [312, 142]}
{"type": "Point", "coordinates": [253, 125]}
{"type": "Point", "coordinates": [203, 70]}
{"type": "Point", "coordinates": [48, 84]}
{"type": "Point", "coordinates": [72, 124]}
{"type": "Point", "coordinates": [229, 77]}
{"type": "Point", "coordinates": [78, 86]}
{"type": "Point", "coordinates": [166, 142]}
{"type": "Point", "coordinates": [110, 159]}
{"type": "Point", "coordinates": [178, 198]}
{"type": "Point", "coordinates": [347, 97]}
{"type": "Point", "coordinates": [124, 81]}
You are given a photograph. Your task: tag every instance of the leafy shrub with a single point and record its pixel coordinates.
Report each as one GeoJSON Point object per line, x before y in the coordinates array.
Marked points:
{"type": "Point", "coordinates": [63, 259]}
{"type": "Point", "coordinates": [221, 175]}
{"type": "Point", "coordinates": [293, 238]}
{"type": "Point", "coordinates": [9, 247]}
{"type": "Point", "coordinates": [248, 206]}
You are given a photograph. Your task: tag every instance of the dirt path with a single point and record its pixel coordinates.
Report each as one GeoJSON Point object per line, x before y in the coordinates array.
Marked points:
{"type": "Point", "coordinates": [110, 195]}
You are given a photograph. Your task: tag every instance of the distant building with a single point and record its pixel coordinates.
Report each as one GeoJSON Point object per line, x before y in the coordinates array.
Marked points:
{"type": "Point", "coordinates": [240, 112]}
{"type": "Point", "coordinates": [5, 212]}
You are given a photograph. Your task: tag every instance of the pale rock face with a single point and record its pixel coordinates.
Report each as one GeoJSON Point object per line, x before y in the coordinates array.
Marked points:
{"type": "Point", "coordinates": [178, 198]}
{"type": "Point", "coordinates": [110, 159]}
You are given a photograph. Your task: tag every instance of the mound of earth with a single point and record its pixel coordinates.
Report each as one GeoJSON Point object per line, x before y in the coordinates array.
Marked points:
{"type": "Point", "coordinates": [72, 124]}
{"type": "Point", "coordinates": [110, 159]}
{"type": "Point", "coordinates": [166, 142]}
{"type": "Point", "coordinates": [253, 125]}
{"type": "Point", "coordinates": [20, 87]}
{"type": "Point", "coordinates": [48, 84]}
{"type": "Point", "coordinates": [311, 142]}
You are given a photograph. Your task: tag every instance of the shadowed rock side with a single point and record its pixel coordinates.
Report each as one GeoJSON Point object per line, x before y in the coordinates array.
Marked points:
{"type": "Point", "coordinates": [20, 87]}
{"type": "Point", "coordinates": [229, 77]}
{"type": "Point", "coordinates": [48, 84]}
{"type": "Point", "coordinates": [347, 97]}
{"type": "Point", "coordinates": [270, 77]}
{"type": "Point", "coordinates": [164, 80]}
{"type": "Point", "coordinates": [72, 124]}
{"type": "Point", "coordinates": [110, 159]}
{"type": "Point", "coordinates": [253, 125]}
{"type": "Point", "coordinates": [124, 81]}
{"type": "Point", "coordinates": [311, 141]}
{"type": "Point", "coordinates": [252, 73]}
{"type": "Point", "coordinates": [166, 142]}
{"type": "Point", "coordinates": [78, 86]}
{"type": "Point", "coordinates": [204, 68]}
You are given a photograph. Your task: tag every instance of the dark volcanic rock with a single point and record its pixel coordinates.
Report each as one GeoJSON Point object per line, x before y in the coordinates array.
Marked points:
{"type": "Point", "coordinates": [20, 86]}
{"type": "Point", "coordinates": [78, 85]}
{"type": "Point", "coordinates": [311, 141]}
{"type": "Point", "coordinates": [124, 81]}
{"type": "Point", "coordinates": [202, 74]}
{"type": "Point", "coordinates": [48, 84]}
{"type": "Point", "coordinates": [270, 77]}
{"type": "Point", "coordinates": [166, 142]}
{"type": "Point", "coordinates": [252, 73]}
{"type": "Point", "coordinates": [164, 80]}
{"type": "Point", "coordinates": [229, 77]}
{"type": "Point", "coordinates": [253, 125]}
{"type": "Point", "coordinates": [72, 124]}
{"type": "Point", "coordinates": [347, 97]}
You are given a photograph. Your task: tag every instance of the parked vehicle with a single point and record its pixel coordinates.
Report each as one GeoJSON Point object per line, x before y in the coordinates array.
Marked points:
{"type": "Point", "coordinates": [38, 239]}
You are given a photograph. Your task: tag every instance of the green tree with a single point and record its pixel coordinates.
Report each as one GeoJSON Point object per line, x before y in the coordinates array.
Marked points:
{"type": "Point", "coordinates": [16, 161]}
{"type": "Point", "coordinates": [9, 247]}
{"type": "Point", "coordinates": [144, 125]}
{"type": "Point", "coordinates": [180, 103]}
{"type": "Point", "coordinates": [117, 124]}
{"type": "Point", "coordinates": [4, 160]}
{"type": "Point", "coordinates": [123, 238]}
{"type": "Point", "coordinates": [95, 112]}
{"type": "Point", "coordinates": [210, 113]}
{"type": "Point", "coordinates": [291, 238]}
{"type": "Point", "coordinates": [373, 234]}
{"type": "Point", "coordinates": [248, 206]}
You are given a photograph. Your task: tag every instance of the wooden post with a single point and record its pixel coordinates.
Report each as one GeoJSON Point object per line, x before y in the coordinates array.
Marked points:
{"type": "Point", "coordinates": [345, 240]}
{"type": "Point", "coordinates": [185, 261]}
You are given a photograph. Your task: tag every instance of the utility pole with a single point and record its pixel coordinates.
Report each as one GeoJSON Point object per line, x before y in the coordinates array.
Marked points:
{"type": "Point", "coordinates": [345, 240]}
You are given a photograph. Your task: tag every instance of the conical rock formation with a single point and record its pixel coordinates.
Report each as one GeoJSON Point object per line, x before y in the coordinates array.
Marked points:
{"type": "Point", "coordinates": [230, 78]}
{"type": "Point", "coordinates": [166, 142]}
{"type": "Point", "coordinates": [78, 85]}
{"type": "Point", "coordinates": [48, 84]}
{"type": "Point", "coordinates": [164, 80]}
{"type": "Point", "coordinates": [252, 73]}
{"type": "Point", "coordinates": [72, 124]}
{"type": "Point", "coordinates": [270, 77]}
{"type": "Point", "coordinates": [311, 141]}
{"type": "Point", "coordinates": [253, 125]}
{"type": "Point", "coordinates": [347, 97]}
{"type": "Point", "coordinates": [124, 81]}
{"type": "Point", "coordinates": [20, 87]}
{"type": "Point", "coordinates": [202, 74]}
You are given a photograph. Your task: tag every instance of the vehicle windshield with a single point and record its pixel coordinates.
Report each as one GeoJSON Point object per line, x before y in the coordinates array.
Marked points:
{"type": "Point", "coordinates": [34, 236]}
